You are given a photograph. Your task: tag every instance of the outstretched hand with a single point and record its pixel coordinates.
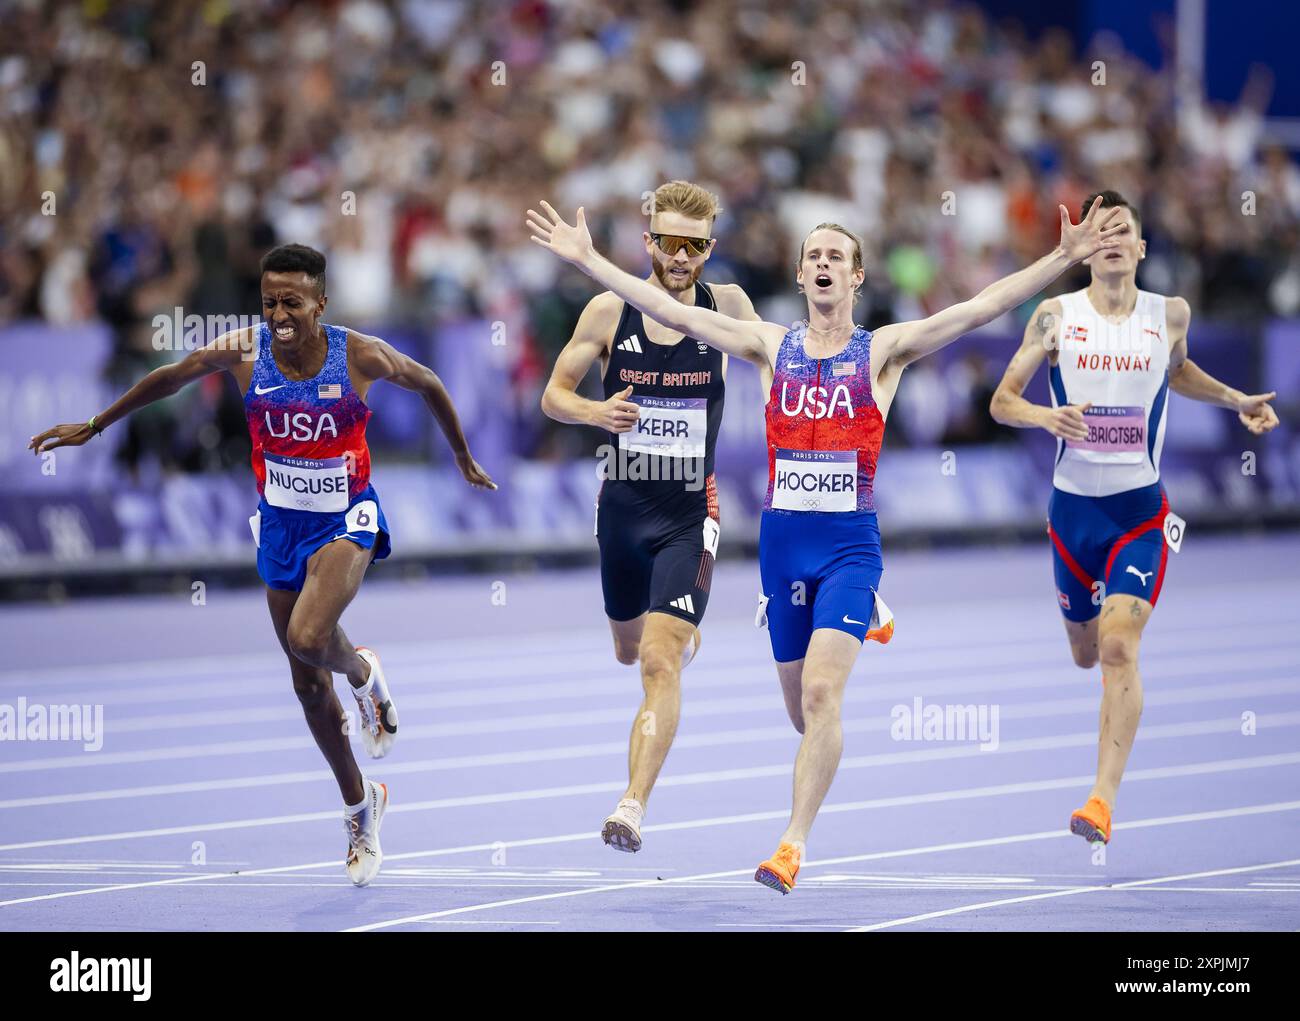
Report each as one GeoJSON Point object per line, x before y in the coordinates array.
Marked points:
{"type": "Point", "coordinates": [1093, 234]}
{"type": "Point", "coordinates": [571, 243]}
{"type": "Point", "coordinates": [1256, 413]}
{"type": "Point", "coordinates": [61, 436]}
{"type": "Point", "coordinates": [474, 473]}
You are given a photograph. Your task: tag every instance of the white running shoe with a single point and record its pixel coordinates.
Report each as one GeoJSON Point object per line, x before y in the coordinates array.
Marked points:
{"type": "Point", "coordinates": [364, 853]}
{"type": "Point", "coordinates": [375, 704]}
{"type": "Point", "coordinates": [622, 830]}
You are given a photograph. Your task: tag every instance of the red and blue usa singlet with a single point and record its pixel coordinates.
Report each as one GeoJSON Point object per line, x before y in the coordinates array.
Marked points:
{"type": "Point", "coordinates": [823, 428]}
{"type": "Point", "coordinates": [309, 436]}
{"type": "Point", "coordinates": [819, 543]}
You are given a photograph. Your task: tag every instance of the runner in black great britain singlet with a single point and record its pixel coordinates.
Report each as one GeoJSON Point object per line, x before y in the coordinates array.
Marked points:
{"type": "Point", "coordinates": [657, 512]}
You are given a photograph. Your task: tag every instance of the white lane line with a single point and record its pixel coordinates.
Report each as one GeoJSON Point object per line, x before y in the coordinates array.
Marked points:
{"type": "Point", "coordinates": [1108, 888]}
{"type": "Point", "coordinates": [1030, 710]}
{"type": "Point", "coordinates": [993, 677]}
{"type": "Point", "coordinates": [416, 674]}
{"type": "Point", "coordinates": [588, 717]}
{"type": "Point", "coordinates": [419, 675]}
{"type": "Point", "coordinates": [568, 838]}
{"type": "Point", "coordinates": [483, 921]}
{"type": "Point", "coordinates": [452, 651]}
{"type": "Point", "coordinates": [932, 849]}
{"type": "Point", "coordinates": [1083, 738]}
{"type": "Point", "coordinates": [486, 657]}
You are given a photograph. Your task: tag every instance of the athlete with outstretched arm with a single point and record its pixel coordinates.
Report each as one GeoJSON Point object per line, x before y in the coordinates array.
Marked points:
{"type": "Point", "coordinates": [832, 385]}
{"type": "Point", "coordinates": [1114, 352]}
{"type": "Point", "coordinates": [319, 523]}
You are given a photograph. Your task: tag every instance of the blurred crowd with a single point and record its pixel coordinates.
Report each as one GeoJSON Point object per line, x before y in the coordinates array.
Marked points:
{"type": "Point", "coordinates": [174, 143]}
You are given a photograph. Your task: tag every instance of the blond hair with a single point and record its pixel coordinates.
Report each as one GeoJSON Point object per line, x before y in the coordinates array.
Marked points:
{"type": "Point", "coordinates": [687, 199]}
{"type": "Point", "coordinates": [857, 243]}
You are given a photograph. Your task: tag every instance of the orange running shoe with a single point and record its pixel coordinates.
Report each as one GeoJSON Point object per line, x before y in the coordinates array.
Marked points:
{"type": "Point", "coordinates": [1092, 821]}
{"type": "Point", "coordinates": [881, 628]}
{"type": "Point", "coordinates": [779, 871]}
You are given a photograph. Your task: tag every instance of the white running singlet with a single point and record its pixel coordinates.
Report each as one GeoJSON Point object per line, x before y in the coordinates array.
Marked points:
{"type": "Point", "coordinates": [1123, 370]}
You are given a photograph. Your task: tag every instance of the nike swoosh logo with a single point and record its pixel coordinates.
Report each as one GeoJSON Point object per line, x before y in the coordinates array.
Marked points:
{"type": "Point", "coordinates": [259, 391]}
{"type": "Point", "coordinates": [847, 621]}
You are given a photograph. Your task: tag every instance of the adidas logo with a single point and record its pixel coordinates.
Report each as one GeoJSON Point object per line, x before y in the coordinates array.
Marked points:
{"type": "Point", "coordinates": [632, 344]}
{"type": "Point", "coordinates": [684, 603]}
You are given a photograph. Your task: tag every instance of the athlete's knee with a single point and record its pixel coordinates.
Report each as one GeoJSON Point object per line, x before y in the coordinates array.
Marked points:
{"type": "Point", "coordinates": [307, 641]}
{"type": "Point", "coordinates": [821, 700]}
{"type": "Point", "coordinates": [1085, 654]}
{"type": "Point", "coordinates": [660, 668]}
{"type": "Point", "coordinates": [1119, 650]}
{"type": "Point", "coordinates": [626, 652]}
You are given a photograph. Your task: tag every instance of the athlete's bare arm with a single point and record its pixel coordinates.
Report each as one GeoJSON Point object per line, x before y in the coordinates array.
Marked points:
{"type": "Point", "coordinates": [1190, 380]}
{"type": "Point", "coordinates": [371, 359]}
{"type": "Point", "coordinates": [754, 341]}
{"type": "Point", "coordinates": [1010, 407]}
{"type": "Point", "coordinates": [228, 352]}
{"type": "Point", "coordinates": [734, 302]}
{"type": "Point", "coordinates": [589, 343]}
{"type": "Point", "coordinates": [898, 345]}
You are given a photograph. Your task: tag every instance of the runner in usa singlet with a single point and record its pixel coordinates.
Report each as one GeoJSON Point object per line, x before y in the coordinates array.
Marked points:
{"type": "Point", "coordinates": [309, 435]}
{"type": "Point", "coordinates": [819, 552]}
{"type": "Point", "coordinates": [311, 462]}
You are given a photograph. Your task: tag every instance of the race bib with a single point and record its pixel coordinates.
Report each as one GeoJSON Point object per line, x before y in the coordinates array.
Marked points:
{"type": "Point", "coordinates": [363, 517]}
{"type": "Point", "coordinates": [255, 523]}
{"type": "Point", "coordinates": [1114, 430]}
{"type": "Point", "coordinates": [303, 483]}
{"type": "Point", "coordinates": [760, 618]}
{"type": "Point", "coordinates": [712, 532]}
{"type": "Point", "coordinates": [815, 480]}
{"type": "Point", "coordinates": [1175, 528]}
{"type": "Point", "coordinates": [668, 427]}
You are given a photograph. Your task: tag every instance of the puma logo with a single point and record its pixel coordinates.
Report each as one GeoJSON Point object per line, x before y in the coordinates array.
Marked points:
{"type": "Point", "coordinates": [1130, 569]}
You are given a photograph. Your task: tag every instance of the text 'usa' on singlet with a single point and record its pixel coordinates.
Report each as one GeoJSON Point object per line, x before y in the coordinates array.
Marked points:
{"type": "Point", "coordinates": [309, 436]}
{"type": "Point", "coordinates": [823, 428]}
{"type": "Point", "coordinates": [680, 392]}
{"type": "Point", "coordinates": [1122, 369]}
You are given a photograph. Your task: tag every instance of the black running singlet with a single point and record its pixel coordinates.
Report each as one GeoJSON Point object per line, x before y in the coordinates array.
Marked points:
{"type": "Point", "coordinates": [679, 388]}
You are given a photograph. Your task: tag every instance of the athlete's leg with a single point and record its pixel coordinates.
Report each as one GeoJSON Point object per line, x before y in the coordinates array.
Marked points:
{"type": "Point", "coordinates": [791, 676]}
{"type": "Point", "coordinates": [625, 566]}
{"type": "Point", "coordinates": [314, 687]}
{"type": "Point", "coordinates": [662, 644]}
{"type": "Point", "coordinates": [1073, 530]}
{"type": "Point", "coordinates": [627, 638]}
{"type": "Point", "coordinates": [1083, 641]}
{"type": "Point", "coordinates": [831, 655]}
{"type": "Point", "coordinates": [334, 574]}
{"type": "Point", "coordinates": [1122, 619]}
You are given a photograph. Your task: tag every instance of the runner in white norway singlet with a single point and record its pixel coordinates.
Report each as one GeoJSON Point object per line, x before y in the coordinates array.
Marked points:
{"type": "Point", "coordinates": [1122, 369]}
